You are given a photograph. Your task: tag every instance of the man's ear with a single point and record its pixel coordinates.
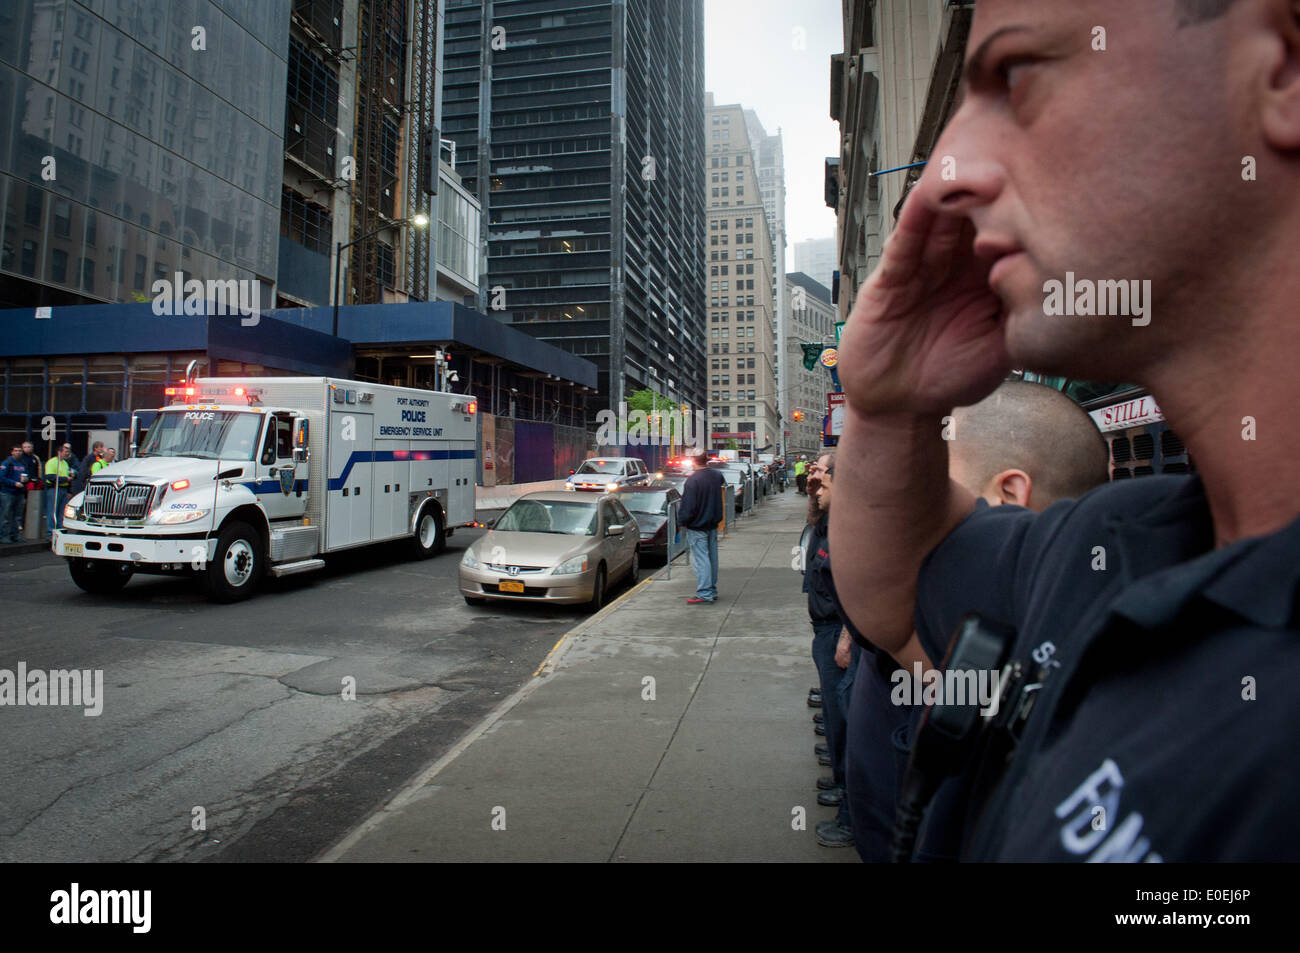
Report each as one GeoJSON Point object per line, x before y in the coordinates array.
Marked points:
{"type": "Point", "coordinates": [1280, 103]}
{"type": "Point", "coordinates": [1011, 487]}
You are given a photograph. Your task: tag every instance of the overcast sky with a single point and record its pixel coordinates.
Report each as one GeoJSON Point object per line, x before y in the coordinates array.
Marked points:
{"type": "Point", "coordinates": [750, 57]}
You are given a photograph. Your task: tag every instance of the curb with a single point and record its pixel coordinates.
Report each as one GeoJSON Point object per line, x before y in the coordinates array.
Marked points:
{"type": "Point", "coordinates": [21, 549]}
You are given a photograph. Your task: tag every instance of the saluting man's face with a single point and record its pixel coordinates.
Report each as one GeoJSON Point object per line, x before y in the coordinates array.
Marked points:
{"type": "Point", "coordinates": [1114, 163]}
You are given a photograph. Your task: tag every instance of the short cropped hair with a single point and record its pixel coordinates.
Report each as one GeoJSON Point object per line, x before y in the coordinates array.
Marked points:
{"type": "Point", "coordinates": [1037, 429]}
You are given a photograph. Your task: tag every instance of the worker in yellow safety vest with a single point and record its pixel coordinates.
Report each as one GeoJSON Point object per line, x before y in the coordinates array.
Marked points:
{"type": "Point", "coordinates": [801, 475]}
{"type": "Point", "coordinates": [58, 478]}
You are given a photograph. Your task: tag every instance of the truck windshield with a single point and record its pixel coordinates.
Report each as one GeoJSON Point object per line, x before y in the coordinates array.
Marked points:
{"type": "Point", "coordinates": [206, 434]}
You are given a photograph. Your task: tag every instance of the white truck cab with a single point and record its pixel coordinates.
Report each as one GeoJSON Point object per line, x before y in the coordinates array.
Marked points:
{"type": "Point", "coordinates": [240, 476]}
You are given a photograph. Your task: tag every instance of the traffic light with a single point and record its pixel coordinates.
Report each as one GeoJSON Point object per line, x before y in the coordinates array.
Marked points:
{"type": "Point", "coordinates": [798, 416]}
{"type": "Point", "coordinates": [429, 156]}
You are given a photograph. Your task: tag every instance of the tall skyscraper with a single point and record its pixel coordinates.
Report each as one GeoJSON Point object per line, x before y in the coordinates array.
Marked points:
{"type": "Point", "coordinates": [816, 259]}
{"type": "Point", "coordinates": [769, 162]}
{"type": "Point", "coordinates": [580, 128]}
{"type": "Point", "coordinates": [134, 145]}
{"type": "Point", "coordinates": [812, 321]}
{"type": "Point", "coordinates": [142, 138]}
{"type": "Point", "coordinates": [742, 305]}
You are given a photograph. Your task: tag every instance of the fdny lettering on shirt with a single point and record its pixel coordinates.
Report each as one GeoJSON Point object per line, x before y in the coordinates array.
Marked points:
{"type": "Point", "coordinates": [1088, 812]}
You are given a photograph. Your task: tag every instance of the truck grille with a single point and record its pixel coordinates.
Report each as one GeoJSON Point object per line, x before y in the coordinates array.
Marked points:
{"type": "Point", "coordinates": [106, 501]}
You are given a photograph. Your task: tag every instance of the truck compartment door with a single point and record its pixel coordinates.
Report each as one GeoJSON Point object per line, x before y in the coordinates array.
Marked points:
{"type": "Point", "coordinates": [351, 480]}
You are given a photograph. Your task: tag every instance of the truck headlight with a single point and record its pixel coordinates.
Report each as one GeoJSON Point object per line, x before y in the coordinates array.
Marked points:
{"type": "Point", "coordinates": [576, 564]}
{"type": "Point", "coordinates": [469, 562]}
{"type": "Point", "coordinates": [70, 512]}
{"type": "Point", "coordinates": [172, 517]}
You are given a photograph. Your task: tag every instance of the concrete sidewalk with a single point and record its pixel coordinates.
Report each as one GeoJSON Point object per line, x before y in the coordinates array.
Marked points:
{"type": "Point", "coordinates": [656, 731]}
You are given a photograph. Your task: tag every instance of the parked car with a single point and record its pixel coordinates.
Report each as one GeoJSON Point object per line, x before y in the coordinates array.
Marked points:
{"type": "Point", "coordinates": [553, 546]}
{"type": "Point", "coordinates": [675, 480]}
{"type": "Point", "coordinates": [608, 474]}
{"type": "Point", "coordinates": [649, 504]}
{"type": "Point", "coordinates": [736, 480]}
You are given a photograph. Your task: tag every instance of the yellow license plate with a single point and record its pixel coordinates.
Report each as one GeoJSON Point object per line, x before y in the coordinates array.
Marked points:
{"type": "Point", "coordinates": [507, 586]}
{"type": "Point", "coordinates": [72, 549]}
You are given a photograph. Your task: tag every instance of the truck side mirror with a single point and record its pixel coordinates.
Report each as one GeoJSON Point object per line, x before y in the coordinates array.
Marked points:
{"type": "Point", "coordinates": [301, 451]}
{"type": "Point", "coordinates": [135, 434]}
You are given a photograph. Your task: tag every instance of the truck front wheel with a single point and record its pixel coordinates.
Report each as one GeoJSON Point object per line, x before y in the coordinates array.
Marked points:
{"type": "Point", "coordinates": [429, 536]}
{"type": "Point", "coordinates": [237, 564]}
{"type": "Point", "coordinates": [100, 576]}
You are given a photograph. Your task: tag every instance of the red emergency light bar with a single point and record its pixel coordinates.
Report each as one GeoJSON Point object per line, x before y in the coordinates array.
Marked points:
{"type": "Point", "coordinates": [207, 392]}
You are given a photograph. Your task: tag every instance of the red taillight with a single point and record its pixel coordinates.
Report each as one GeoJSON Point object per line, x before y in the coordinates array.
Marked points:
{"type": "Point", "coordinates": [239, 392]}
{"type": "Point", "coordinates": [181, 485]}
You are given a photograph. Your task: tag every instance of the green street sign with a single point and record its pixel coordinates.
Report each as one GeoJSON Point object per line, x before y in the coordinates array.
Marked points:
{"type": "Point", "coordinates": [839, 328]}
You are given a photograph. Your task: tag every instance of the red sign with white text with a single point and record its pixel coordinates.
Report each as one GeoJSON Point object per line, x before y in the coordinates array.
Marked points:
{"type": "Point", "coordinates": [1131, 413]}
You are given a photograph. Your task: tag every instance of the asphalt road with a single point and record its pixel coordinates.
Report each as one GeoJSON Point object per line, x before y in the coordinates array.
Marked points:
{"type": "Point", "coordinates": [236, 715]}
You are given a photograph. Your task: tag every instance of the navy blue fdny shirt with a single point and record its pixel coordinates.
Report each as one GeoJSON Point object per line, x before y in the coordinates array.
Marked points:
{"type": "Point", "coordinates": [1166, 729]}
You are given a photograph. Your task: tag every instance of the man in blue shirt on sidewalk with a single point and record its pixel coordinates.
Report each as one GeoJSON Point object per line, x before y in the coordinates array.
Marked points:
{"type": "Point", "coordinates": [13, 494]}
{"type": "Point", "coordinates": [700, 513]}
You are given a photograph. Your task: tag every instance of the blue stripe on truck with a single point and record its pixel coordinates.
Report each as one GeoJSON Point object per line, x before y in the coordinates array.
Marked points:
{"type": "Point", "coordinates": [389, 456]}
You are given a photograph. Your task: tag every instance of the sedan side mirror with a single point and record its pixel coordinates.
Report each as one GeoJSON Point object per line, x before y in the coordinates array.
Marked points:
{"type": "Point", "coordinates": [616, 530]}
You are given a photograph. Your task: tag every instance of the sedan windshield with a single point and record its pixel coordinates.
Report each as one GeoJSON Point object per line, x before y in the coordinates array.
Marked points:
{"type": "Point", "coordinates": [206, 434]}
{"type": "Point", "coordinates": [546, 516]}
{"type": "Point", "coordinates": [601, 466]}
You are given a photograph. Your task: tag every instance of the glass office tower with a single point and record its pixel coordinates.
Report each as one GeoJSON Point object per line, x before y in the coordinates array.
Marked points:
{"type": "Point", "coordinates": [138, 139]}
{"type": "Point", "coordinates": [579, 124]}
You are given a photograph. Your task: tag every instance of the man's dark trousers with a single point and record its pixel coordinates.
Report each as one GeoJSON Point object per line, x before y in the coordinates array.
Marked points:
{"type": "Point", "coordinates": [826, 636]}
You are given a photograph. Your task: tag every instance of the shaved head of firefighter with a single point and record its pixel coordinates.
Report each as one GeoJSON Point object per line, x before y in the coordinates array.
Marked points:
{"type": "Point", "coordinates": [1028, 445]}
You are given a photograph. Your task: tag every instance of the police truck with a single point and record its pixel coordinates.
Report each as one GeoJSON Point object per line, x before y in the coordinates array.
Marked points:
{"type": "Point", "coordinates": [242, 476]}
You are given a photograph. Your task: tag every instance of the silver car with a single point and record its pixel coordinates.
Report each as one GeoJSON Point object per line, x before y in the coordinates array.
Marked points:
{"type": "Point", "coordinates": [608, 474]}
{"type": "Point", "coordinates": [553, 547]}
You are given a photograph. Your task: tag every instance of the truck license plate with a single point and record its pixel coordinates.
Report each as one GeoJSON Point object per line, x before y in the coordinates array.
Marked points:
{"type": "Point", "coordinates": [508, 586]}
{"type": "Point", "coordinates": [72, 549]}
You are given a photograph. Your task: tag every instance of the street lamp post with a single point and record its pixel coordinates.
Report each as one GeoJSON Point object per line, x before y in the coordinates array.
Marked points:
{"type": "Point", "coordinates": [419, 220]}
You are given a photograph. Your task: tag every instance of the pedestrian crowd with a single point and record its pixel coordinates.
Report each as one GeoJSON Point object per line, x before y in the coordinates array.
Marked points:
{"type": "Point", "coordinates": [24, 478]}
{"type": "Point", "coordinates": [1026, 445]}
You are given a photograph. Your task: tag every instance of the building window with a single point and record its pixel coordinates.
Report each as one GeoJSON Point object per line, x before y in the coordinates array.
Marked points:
{"type": "Point", "coordinates": [386, 265]}
{"type": "Point", "coordinates": [305, 223]}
